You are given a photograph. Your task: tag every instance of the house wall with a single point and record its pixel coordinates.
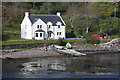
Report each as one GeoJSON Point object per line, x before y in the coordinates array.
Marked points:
{"type": "Point", "coordinates": [61, 29]}
{"type": "Point", "coordinates": [50, 29]}
{"type": "Point", "coordinates": [26, 29]}
{"type": "Point", "coordinates": [44, 27]}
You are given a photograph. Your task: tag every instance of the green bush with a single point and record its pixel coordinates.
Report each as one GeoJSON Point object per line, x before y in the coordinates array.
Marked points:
{"type": "Point", "coordinates": [93, 40]}
{"type": "Point", "coordinates": [60, 42]}
{"type": "Point", "coordinates": [5, 37]}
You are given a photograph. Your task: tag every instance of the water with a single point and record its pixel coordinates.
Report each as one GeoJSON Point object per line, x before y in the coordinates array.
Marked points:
{"type": "Point", "coordinates": [90, 66]}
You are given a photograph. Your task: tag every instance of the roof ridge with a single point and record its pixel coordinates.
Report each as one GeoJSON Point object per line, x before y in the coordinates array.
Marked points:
{"type": "Point", "coordinates": [43, 15]}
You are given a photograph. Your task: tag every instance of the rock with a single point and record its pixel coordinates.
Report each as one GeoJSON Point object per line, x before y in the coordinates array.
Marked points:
{"type": "Point", "coordinates": [115, 43]}
{"type": "Point", "coordinates": [20, 66]}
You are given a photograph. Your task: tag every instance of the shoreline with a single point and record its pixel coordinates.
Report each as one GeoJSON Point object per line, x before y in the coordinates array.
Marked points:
{"type": "Point", "coordinates": [29, 54]}
{"type": "Point", "coordinates": [42, 52]}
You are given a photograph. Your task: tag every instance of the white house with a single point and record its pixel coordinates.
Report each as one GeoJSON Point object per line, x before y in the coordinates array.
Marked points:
{"type": "Point", "coordinates": [42, 27]}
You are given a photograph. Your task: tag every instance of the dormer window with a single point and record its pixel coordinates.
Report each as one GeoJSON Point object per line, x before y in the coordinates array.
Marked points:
{"type": "Point", "coordinates": [39, 26]}
{"type": "Point", "coordinates": [58, 26]}
{"type": "Point", "coordinates": [49, 26]}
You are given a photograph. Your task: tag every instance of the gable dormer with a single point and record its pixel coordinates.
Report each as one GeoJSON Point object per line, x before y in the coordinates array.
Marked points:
{"type": "Point", "coordinates": [49, 25]}
{"type": "Point", "coordinates": [59, 24]}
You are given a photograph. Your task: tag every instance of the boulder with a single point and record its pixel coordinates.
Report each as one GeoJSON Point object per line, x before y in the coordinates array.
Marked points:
{"type": "Point", "coordinates": [114, 43]}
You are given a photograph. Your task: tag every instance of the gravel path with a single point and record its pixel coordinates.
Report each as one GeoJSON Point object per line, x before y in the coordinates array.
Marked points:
{"type": "Point", "coordinates": [29, 54]}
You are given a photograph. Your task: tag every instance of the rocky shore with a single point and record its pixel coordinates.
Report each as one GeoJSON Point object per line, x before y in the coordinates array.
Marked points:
{"type": "Point", "coordinates": [95, 49]}
{"type": "Point", "coordinates": [110, 47]}
{"type": "Point", "coordinates": [28, 53]}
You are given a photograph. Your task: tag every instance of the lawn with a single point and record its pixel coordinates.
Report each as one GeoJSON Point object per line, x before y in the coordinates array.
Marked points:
{"type": "Point", "coordinates": [22, 41]}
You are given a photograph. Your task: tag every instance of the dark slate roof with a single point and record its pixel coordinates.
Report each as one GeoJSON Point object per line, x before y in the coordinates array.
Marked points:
{"type": "Point", "coordinates": [46, 18]}
{"type": "Point", "coordinates": [40, 30]}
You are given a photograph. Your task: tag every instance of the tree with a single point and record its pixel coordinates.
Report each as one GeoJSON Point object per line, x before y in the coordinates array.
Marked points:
{"type": "Point", "coordinates": [47, 8]}
{"type": "Point", "coordinates": [106, 8]}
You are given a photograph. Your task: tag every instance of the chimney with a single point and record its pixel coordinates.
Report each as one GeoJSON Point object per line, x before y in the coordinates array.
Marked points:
{"type": "Point", "coordinates": [58, 13]}
{"type": "Point", "coordinates": [26, 13]}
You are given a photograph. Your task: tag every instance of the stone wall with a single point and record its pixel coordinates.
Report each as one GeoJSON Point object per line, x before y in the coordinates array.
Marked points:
{"type": "Point", "coordinates": [25, 45]}
{"type": "Point", "coordinates": [35, 45]}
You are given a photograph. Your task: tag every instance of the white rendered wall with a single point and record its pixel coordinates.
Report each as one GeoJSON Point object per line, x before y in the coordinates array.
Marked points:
{"type": "Point", "coordinates": [28, 30]}
{"type": "Point", "coordinates": [61, 29]}
{"type": "Point", "coordinates": [50, 29]}
{"type": "Point", "coordinates": [44, 27]}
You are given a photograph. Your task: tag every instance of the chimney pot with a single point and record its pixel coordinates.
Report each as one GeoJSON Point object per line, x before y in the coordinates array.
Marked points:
{"type": "Point", "coordinates": [58, 13]}
{"type": "Point", "coordinates": [26, 13]}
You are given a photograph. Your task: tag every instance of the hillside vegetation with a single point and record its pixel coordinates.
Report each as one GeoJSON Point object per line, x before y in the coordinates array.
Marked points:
{"type": "Point", "coordinates": [80, 18]}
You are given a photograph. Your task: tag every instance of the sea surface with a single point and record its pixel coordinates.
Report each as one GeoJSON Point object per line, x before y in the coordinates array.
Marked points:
{"type": "Point", "coordinates": [90, 66]}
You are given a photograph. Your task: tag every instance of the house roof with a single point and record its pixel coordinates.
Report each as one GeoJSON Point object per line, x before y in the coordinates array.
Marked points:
{"type": "Point", "coordinates": [40, 30]}
{"type": "Point", "coordinates": [46, 18]}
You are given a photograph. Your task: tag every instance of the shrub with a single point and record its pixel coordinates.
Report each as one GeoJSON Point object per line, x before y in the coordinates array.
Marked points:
{"type": "Point", "coordinates": [93, 40]}
{"type": "Point", "coordinates": [5, 37]}
{"type": "Point", "coordinates": [60, 42]}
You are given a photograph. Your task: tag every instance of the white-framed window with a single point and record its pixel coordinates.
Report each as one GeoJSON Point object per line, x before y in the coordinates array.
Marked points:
{"type": "Point", "coordinates": [36, 34]}
{"type": "Point", "coordinates": [39, 26]}
{"type": "Point", "coordinates": [40, 34]}
{"type": "Point", "coordinates": [58, 26]}
{"type": "Point", "coordinates": [49, 26]}
{"type": "Point", "coordinates": [59, 33]}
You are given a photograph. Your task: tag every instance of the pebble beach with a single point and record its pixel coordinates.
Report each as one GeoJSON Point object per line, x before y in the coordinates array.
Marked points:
{"type": "Point", "coordinates": [29, 54]}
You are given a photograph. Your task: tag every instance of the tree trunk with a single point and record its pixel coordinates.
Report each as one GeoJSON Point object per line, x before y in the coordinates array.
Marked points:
{"type": "Point", "coordinates": [87, 29]}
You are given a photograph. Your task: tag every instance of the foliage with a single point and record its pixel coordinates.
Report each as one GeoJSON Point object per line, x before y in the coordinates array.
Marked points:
{"type": "Point", "coordinates": [98, 16]}
{"type": "Point", "coordinates": [61, 42]}
{"type": "Point", "coordinates": [70, 33]}
{"type": "Point", "coordinates": [5, 37]}
{"type": "Point", "coordinates": [7, 24]}
{"type": "Point", "coordinates": [47, 8]}
{"type": "Point", "coordinates": [106, 7]}
{"type": "Point", "coordinates": [93, 40]}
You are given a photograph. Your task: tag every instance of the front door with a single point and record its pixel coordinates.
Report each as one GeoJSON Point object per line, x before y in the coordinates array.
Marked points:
{"type": "Point", "coordinates": [49, 35]}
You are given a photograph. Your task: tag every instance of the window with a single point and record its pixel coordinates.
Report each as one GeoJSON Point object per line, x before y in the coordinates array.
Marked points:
{"type": "Point", "coordinates": [36, 34]}
{"type": "Point", "coordinates": [59, 33]}
{"type": "Point", "coordinates": [58, 26]}
{"type": "Point", "coordinates": [49, 26]}
{"type": "Point", "coordinates": [40, 34]}
{"type": "Point", "coordinates": [39, 26]}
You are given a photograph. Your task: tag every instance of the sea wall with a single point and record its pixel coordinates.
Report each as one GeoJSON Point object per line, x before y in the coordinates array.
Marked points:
{"type": "Point", "coordinates": [23, 46]}
{"type": "Point", "coordinates": [35, 45]}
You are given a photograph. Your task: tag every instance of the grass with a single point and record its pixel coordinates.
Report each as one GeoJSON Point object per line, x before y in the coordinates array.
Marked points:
{"type": "Point", "coordinates": [22, 41]}
{"type": "Point", "coordinates": [18, 49]}
{"type": "Point", "coordinates": [84, 45]}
